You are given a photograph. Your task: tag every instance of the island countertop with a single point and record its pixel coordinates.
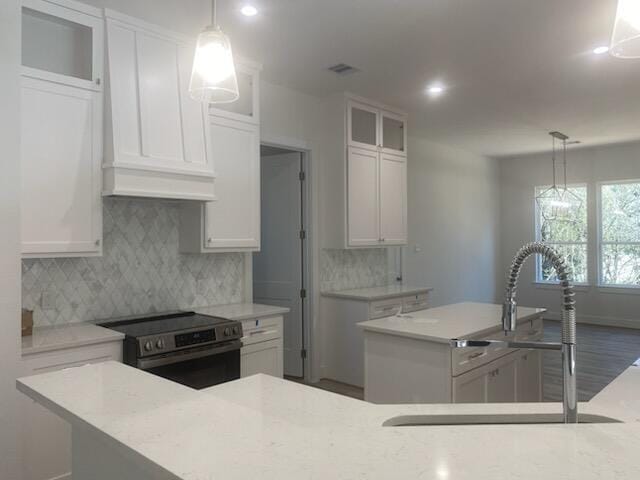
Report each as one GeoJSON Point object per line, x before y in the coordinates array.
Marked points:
{"type": "Point", "coordinates": [269, 428]}
{"type": "Point", "coordinates": [377, 293]}
{"type": "Point", "coordinates": [441, 324]}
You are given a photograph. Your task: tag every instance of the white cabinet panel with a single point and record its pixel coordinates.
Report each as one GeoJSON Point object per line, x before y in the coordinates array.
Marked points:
{"type": "Point", "coordinates": [393, 199]}
{"type": "Point", "coordinates": [247, 107]}
{"type": "Point", "coordinates": [501, 381]}
{"type": "Point", "coordinates": [232, 222]}
{"type": "Point", "coordinates": [470, 387]}
{"type": "Point", "coordinates": [46, 438]}
{"type": "Point", "coordinates": [157, 136]}
{"type": "Point", "coordinates": [157, 68]}
{"type": "Point", "coordinates": [362, 178]}
{"type": "Point", "coordinates": [529, 377]}
{"type": "Point", "coordinates": [394, 133]}
{"type": "Point", "coordinates": [362, 125]}
{"type": "Point", "coordinates": [264, 357]}
{"type": "Point", "coordinates": [60, 164]}
{"type": "Point", "coordinates": [234, 219]}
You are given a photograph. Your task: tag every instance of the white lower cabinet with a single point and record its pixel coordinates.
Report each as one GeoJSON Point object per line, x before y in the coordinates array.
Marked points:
{"type": "Point", "coordinates": [262, 347]}
{"type": "Point", "coordinates": [529, 377]}
{"type": "Point", "coordinates": [46, 438]}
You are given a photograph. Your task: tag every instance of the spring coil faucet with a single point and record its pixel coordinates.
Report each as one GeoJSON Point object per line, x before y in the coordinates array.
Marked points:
{"type": "Point", "coordinates": [568, 317]}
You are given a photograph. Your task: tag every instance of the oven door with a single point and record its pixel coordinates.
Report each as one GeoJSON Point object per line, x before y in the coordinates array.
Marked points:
{"type": "Point", "coordinates": [198, 367]}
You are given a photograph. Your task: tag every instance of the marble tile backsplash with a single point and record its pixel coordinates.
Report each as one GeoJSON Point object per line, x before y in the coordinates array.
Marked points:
{"type": "Point", "coordinates": [358, 268]}
{"type": "Point", "coordinates": [141, 270]}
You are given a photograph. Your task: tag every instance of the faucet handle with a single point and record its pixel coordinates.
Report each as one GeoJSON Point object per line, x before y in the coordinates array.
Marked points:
{"type": "Point", "coordinates": [509, 315]}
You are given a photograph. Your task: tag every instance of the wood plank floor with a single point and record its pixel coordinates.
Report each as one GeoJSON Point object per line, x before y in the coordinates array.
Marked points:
{"type": "Point", "coordinates": [603, 354]}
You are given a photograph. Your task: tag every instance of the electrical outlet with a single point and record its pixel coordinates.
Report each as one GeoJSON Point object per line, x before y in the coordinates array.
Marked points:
{"type": "Point", "coordinates": [48, 301]}
{"type": "Point", "coordinates": [201, 286]}
{"type": "Point", "coordinates": [417, 248]}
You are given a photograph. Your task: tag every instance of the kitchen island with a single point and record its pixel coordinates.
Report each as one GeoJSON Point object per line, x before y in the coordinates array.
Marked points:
{"type": "Point", "coordinates": [128, 424]}
{"type": "Point", "coordinates": [408, 359]}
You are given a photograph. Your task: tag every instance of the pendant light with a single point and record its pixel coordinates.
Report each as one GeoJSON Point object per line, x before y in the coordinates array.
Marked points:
{"type": "Point", "coordinates": [625, 40]}
{"type": "Point", "coordinates": [213, 78]}
{"type": "Point", "coordinates": [560, 198]}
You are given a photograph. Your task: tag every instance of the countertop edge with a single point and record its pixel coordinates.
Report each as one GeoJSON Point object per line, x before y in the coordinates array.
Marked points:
{"type": "Point", "coordinates": [430, 338]}
{"type": "Point", "coordinates": [368, 298]}
{"type": "Point", "coordinates": [272, 310]}
{"type": "Point", "coordinates": [110, 337]}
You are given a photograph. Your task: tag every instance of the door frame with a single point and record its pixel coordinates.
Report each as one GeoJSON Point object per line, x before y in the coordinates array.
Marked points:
{"type": "Point", "coordinates": [309, 364]}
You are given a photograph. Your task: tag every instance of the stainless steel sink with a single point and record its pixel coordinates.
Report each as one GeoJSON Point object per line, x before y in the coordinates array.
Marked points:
{"type": "Point", "coordinates": [491, 419]}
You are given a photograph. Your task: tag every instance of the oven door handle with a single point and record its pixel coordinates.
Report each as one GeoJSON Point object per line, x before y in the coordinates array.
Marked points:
{"type": "Point", "coordinates": [147, 363]}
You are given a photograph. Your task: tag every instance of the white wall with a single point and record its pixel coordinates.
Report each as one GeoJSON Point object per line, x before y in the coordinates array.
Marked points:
{"type": "Point", "coordinates": [454, 221]}
{"type": "Point", "coordinates": [9, 236]}
{"type": "Point", "coordinates": [518, 178]}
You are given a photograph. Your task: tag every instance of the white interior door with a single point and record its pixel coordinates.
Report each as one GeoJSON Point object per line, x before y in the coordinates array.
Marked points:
{"type": "Point", "coordinates": [277, 268]}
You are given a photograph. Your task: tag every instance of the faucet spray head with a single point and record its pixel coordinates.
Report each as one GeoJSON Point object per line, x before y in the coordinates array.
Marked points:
{"type": "Point", "coordinates": [509, 315]}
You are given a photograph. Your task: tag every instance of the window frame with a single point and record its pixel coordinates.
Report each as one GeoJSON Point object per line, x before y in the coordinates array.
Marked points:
{"type": "Point", "coordinates": [538, 267]}
{"type": "Point", "coordinates": [601, 243]}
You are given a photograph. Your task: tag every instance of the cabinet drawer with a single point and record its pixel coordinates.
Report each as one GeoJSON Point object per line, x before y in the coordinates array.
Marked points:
{"type": "Point", "coordinates": [385, 308]}
{"type": "Point", "coordinates": [261, 330]}
{"type": "Point", "coordinates": [465, 359]}
{"type": "Point", "coordinates": [263, 357]}
{"type": "Point", "coordinates": [413, 303]}
{"type": "Point", "coordinates": [71, 357]}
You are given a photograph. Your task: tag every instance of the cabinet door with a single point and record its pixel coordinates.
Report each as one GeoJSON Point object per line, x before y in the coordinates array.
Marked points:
{"type": "Point", "coordinates": [471, 387]}
{"type": "Point", "coordinates": [63, 45]}
{"type": "Point", "coordinates": [265, 357]}
{"type": "Point", "coordinates": [233, 220]}
{"type": "Point", "coordinates": [501, 381]}
{"type": "Point", "coordinates": [393, 199]}
{"type": "Point", "coordinates": [362, 191]}
{"type": "Point", "coordinates": [60, 164]}
{"type": "Point", "coordinates": [393, 133]}
{"type": "Point", "coordinates": [362, 126]}
{"type": "Point", "coordinates": [247, 107]}
{"type": "Point", "coordinates": [529, 377]}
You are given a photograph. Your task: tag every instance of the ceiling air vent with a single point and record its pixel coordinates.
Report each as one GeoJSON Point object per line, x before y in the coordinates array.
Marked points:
{"type": "Point", "coordinates": [343, 69]}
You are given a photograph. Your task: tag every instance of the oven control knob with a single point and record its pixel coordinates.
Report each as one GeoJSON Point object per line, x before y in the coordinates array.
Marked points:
{"type": "Point", "coordinates": [148, 346]}
{"type": "Point", "coordinates": [227, 332]}
{"type": "Point", "coordinates": [160, 344]}
{"type": "Point", "coordinates": [236, 331]}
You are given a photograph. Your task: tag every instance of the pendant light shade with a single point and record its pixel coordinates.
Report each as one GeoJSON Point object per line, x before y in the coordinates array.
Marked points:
{"type": "Point", "coordinates": [625, 40]}
{"type": "Point", "coordinates": [213, 77]}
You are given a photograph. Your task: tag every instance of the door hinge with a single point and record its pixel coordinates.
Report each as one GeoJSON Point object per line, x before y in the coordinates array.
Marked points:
{"type": "Point", "coordinates": [303, 353]}
{"type": "Point", "coordinates": [303, 234]}
{"type": "Point", "coordinates": [303, 293]}
{"type": "Point", "coordinates": [302, 176]}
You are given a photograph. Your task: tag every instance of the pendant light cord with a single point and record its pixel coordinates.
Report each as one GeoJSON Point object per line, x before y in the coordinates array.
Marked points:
{"type": "Point", "coordinates": [214, 14]}
{"type": "Point", "coordinates": [564, 159]}
{"type": "Point", "coordinates": [553, 160]}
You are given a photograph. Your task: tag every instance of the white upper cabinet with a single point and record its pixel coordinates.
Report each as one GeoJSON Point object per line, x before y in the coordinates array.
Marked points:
{"type": "Point", "coordinates": [247, 107]}
{"type": "Point", "coordinates": [363, 214]}
{"type": "Point", "coordinates": [157, 137]}
{"type": "Point", "coordinates": [231, 223]}
{"type": "Point", "coordinates": [393, 199]}
{"type": "Point", "coordinates": [376, 176]}
{"type": "Point", "coordinates": [61, 129]}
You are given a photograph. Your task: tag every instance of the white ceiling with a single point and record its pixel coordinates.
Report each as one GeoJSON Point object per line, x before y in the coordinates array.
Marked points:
{"type": "Point", "coordinates": [516, 69]}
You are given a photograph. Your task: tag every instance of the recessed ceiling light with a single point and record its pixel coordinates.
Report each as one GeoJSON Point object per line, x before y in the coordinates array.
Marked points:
{"type": "Point", "coordinates": [435, 89]}
{"type": "Point", "coordinates": [249, 10]}
{"type": "Point", "coordinates": [600, 50]}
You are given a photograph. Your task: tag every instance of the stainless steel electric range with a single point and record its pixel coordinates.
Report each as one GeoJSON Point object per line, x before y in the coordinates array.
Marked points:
{"type": "Point", "coordinates": [192, 349]}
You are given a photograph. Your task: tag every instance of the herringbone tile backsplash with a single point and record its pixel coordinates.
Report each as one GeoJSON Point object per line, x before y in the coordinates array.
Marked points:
{"type": "Point", "coordinates": [141, 270]}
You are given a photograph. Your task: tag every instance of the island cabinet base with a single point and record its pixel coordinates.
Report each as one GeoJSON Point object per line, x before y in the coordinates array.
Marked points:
{"type": "Point", "coordinates": [400, 369]}
{"type": "Point", "coordinates": [95, 458]}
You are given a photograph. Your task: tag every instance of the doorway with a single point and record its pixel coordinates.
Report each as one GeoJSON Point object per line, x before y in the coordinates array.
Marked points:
{"type": "Point", "coordinates": [280, 267]}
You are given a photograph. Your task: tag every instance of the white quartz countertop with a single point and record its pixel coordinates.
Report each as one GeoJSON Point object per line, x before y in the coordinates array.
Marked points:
{"type": "Point", "coordinates": [45, 339]}
{"type": "Point", "coordinates": [272, 429]}
{"type": "Point", "coordinates": [377, 293]}
{"type": "Point", "coordinates": [242, 311]}
{"type": "Point", "coordinates": [441, 324]}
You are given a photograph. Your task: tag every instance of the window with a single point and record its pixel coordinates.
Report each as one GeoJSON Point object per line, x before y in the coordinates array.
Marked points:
{"type": "Point", "coordinates": [562, 224]}
{"type": "Point", "coordinates": [620, 234]}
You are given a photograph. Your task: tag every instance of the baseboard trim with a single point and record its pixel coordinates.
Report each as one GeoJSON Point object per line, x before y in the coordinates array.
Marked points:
{"type": "Point", "coordinates": [597, 320]}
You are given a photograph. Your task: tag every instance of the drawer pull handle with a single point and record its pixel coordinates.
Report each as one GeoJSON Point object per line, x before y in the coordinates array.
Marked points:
{"type": "Point", "coordinates": [475, 355]}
